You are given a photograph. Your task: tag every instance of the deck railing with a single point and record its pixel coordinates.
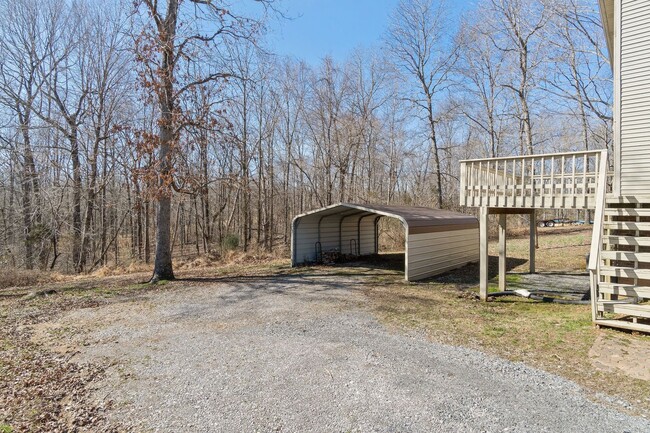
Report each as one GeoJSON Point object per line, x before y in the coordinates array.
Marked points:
{"type": "Point", "coordinates": [554, 181]}
{"type": "Point", "coordinates": [597, 236]}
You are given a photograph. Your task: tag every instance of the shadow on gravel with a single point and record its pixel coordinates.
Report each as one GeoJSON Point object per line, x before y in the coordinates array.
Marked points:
{"type": "Point", "coordinates": [313, 287]}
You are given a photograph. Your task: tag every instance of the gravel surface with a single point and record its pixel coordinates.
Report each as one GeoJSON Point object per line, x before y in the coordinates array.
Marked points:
{"type": "Point", "coordinates": [297, 354]}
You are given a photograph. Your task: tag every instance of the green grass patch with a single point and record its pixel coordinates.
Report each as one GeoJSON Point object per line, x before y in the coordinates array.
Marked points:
{"type": "Point", "coordinates": [553, 337]}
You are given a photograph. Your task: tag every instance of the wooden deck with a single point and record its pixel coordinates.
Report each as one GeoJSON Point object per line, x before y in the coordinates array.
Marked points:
{"type": "Point", "coordinates": [550, 181]}
{"type": "Point", "coordinates": [619, 259]}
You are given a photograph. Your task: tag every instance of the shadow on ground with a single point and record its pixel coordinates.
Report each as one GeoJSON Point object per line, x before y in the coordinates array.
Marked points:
{"type": "Point", "coordinates": [469, 275]}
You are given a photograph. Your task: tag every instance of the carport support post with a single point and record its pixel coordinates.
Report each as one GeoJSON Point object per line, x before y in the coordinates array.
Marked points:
{"type": "Point", "coordinates": [483, 252]}
{"type": "Point", "coordinates": [502, 251]}
{"type": "Point", "coordinates": [533, 242]}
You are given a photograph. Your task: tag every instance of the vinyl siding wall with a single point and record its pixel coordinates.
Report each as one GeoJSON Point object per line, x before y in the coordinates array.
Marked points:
{"type": "Point", "coordinates": [430, 254]}
{"type": "Point", "coordinates": [635, 97]}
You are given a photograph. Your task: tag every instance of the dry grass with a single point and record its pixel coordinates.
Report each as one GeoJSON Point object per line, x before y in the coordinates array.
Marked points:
{"type": "Point", "coordinates": [230, 262]}
{"type": "Point", "coordinates": [559, 249]}
{"type": "Point", "coordinates": [11, 277]}
{"type": "Point", "coordinates": [555, 338]}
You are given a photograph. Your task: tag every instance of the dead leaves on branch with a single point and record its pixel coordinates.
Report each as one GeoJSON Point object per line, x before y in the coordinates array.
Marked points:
{"type": "Point", "coordinates": [176, 171]}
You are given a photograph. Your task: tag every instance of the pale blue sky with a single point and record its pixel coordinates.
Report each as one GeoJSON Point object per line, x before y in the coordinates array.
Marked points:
{"type": "Point", "coordinates": [318, 28]}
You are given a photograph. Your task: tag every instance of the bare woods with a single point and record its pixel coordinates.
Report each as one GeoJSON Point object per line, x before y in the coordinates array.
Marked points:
{"type": "Point", "coordinates": [141, 131]}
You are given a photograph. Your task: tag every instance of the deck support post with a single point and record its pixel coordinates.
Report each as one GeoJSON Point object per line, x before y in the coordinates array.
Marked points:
{"type": "Point", "coordinates": [483, 252]}
{"type": "Point", "coordinates": [502, 251]}
{"type": "Point", "coordinates": [533, 241]}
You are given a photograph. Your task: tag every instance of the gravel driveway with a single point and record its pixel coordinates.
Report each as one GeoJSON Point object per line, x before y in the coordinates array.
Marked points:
{"type": "Point", "coordinates": [304, 354]}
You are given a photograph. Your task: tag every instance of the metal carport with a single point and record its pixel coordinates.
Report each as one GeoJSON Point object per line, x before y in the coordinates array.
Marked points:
{"type": "Point", "coordinates": [436, 240]}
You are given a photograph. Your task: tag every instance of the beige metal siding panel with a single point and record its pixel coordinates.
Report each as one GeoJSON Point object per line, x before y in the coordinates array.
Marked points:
{"type": "Point", "coordinates": [635, 97]}
{"type": "Point", "coordinates": [329, 233]}
{"type": "Point", "coordinates": [306, 238]}
{"type": "Point", "coordinates": [367, 229]}
{"type": "Point", "coordinates": [438, 251]}
{"type": "Point", "coordinates": [633, 127]}
{"type": "Point", "coordinates": [417, 242]}
{"type": "Point", "coordinates": [349, 235]}
{"type": "Point", "coordinates": [430, 254]}
{"type": "Point", "coordinates": [427, 271]}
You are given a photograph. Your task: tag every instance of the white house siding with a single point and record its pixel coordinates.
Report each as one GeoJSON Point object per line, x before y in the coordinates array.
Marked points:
{"type": "Point", "coordinates": [430, 254]}
{"type": "Point", "coordinates": [635, 97]}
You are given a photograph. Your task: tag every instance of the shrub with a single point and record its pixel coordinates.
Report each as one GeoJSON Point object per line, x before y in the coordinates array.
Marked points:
{"type": "Point", "coordinates": [230, 242]}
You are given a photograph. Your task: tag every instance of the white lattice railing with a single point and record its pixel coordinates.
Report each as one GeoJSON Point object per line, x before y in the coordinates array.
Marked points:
{"type": "Point", "coordinates": [553, 181]}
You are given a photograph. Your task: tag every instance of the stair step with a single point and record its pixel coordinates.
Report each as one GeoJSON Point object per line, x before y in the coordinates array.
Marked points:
{"type": "Point", "coordinates": [626, 225]}
{"type": "Point", "coordinates": [627, 199]}
{"type": "Point", "coordinates": [630, 211]}
{"type": "Point", "coordinates": [626, 272]}
{"type": "Point", "coordinates": [628, 256]}
{"type": "Point", "coordinates": [624, 290]}
{"type": "Point", "coordinates": [621, 307]}
{"type": "Point", "coordinates": [641, 241]}
{"type": "Point", "coordinates": [623, 324]}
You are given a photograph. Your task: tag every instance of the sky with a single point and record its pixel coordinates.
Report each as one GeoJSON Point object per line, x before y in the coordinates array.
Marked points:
{"type": "Point", "coordinates": [318, 28]}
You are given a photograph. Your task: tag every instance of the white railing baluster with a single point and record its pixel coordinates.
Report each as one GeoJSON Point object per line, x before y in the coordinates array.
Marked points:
{"type": "Point", "coordinates": [514, 179]}
{"type": "Point", "coordinates": [585, 190]}
{"type": "Point", "coordinates": [563, 178]}
{"type": "Point", "coordinates": [552, 185]}
{"type": "Point", "coordinates": [531, 180]}
{"type": "Point", "coordinates": [573, 180]}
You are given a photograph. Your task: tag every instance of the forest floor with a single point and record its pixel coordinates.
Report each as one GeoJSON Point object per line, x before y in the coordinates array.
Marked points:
{"type": "Point", "coordinates": [263, 346]}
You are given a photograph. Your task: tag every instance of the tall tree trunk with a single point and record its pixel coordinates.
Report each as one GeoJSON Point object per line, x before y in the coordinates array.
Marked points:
{"type": "Point", "coordinates": [76, 197]}
{"type": "Point", "coordinates": [436, 152]}
{"type": "Point", "coordinates": [163, 269]}
{"type": "Point", "coordinates": [31, 190]}
{"type": "Point", "coordinates": [90, 203]}
{"type": "Point", "coordinates": [147, 232]}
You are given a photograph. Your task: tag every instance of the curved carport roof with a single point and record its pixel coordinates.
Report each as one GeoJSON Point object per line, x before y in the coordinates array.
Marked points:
{"type": "Point", "coordinates": [347, 225]}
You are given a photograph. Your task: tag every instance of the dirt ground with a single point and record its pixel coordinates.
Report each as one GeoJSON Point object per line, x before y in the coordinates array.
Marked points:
{"type": "Point", "coordinates": [620, 353]}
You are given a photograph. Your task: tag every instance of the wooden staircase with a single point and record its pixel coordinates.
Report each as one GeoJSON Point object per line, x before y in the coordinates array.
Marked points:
{"type": "Point", "coordinates": [622, 292]}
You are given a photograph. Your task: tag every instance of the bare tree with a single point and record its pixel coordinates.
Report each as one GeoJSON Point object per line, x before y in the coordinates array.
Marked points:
{"type": "Point", "coordinates": [480, 68]}
{"type": "Point", "coordinates": [106, 95]}
{"type": "Point", "coordinates": [25, 37]}
{"type": "Point", "coordinates": [173, 39]}
{"type": "Point", "coordinates": [582, 76]}
{"type": "Point", "coordinates": [516, 29]}
{"type": "Point", "coordinates": [219, 143]}
{"type": "Point", "coordinates": [416, 40]}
